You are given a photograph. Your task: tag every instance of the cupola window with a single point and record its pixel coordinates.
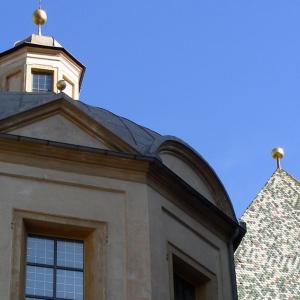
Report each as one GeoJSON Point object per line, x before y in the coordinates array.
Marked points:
{"type": "Point", "coordinates": [42, 82]}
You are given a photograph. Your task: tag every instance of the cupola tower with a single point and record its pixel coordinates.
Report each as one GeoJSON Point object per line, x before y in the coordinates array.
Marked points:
{"type": "Point", "coordinates": [39, 64]}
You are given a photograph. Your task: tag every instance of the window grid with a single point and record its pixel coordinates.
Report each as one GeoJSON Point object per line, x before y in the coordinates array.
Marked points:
{"type": "Point", "coordinates": [55, 267]}
{"type": "Point", "coordinates": [42, 82]}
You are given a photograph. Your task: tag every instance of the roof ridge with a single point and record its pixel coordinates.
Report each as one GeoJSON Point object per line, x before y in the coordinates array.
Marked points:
{"type": "Point", "coordinates": [129, 131]}
{"type": "Point", "coordinates": [292, 178]}
{"type": "Point", "coordinates": [279, 172]}
{"type": "Point", "coordinates": [145, 129]}
{"type": "Point", "coordinates": [122, 117]}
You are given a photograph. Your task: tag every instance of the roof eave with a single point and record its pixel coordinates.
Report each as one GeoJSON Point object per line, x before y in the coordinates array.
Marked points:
{"type": "Point", "coordinates": [157, 171]}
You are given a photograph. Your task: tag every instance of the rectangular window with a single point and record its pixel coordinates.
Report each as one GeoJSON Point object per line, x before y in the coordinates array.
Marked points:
{"type": "Point", "coordinates": [42, 82]}
{"type": "Point", "coordinates": [54, 268]}
{"type": "Point", "coordinates": [183, 290]}
{"type": "Point", "coordinates": [62, 257]}
{"type": "Point", "coordinates": [189, 280]}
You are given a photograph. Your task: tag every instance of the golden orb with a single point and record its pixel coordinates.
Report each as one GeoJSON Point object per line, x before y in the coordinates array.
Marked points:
{"type": "Point", "coordinates": [61, 85]}
{"type": "Point", "coordinates": [278, 153]}
{"type": "Point", "coordinates": [39, 17]}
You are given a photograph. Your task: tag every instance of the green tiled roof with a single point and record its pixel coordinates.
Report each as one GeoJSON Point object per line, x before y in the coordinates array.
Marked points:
{"type": "Point", "coordinates": [268, 259]}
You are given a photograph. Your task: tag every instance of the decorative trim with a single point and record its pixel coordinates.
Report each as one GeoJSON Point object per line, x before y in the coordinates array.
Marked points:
{"type": "Point", "coordinates": [92, 233]}
{"type": "Point", "coordinates": [205, 281]}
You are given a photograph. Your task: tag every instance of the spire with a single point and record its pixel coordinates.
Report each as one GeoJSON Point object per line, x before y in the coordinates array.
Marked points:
{"type": "Point", "coordinates": [278, 154]}
{"type": "Point", "coordinates": [40, 17]}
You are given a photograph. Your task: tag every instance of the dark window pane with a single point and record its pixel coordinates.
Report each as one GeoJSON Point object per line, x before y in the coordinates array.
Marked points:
{"type": "Point", "coordinates": [69, 285]}
{"type": "Point", "coordinates": [70, 254]}
{"type": "Point", "coordinates": [183, 290]}
{"type": "Point", "coordinates": [40, 251]}
{"type": "Point", "coordinates": [39, 281]}
{"type": "Point", "coordinates": [42, 82]}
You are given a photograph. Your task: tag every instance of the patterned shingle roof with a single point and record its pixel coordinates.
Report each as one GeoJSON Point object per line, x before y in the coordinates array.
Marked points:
{"type": "Point", "coordinates": [268, 259]}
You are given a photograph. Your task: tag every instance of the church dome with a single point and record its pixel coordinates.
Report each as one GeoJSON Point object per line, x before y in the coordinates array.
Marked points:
{"type": "Point", "coordinates": [174, 153]}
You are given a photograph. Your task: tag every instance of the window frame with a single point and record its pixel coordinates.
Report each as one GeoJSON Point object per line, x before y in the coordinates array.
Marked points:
{"type": "Point", "coordinates": [185, 285]}
{"type": "Point", "coordinates": [53, 267]}
{"type": "Point", "coordinates": [92, 233]}
{"type": "Point", "coordinates": [204, 281]}
{"type": "Point", "coordinates": [35, 71]}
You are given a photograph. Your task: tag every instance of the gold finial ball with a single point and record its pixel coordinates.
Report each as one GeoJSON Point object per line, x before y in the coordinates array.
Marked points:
{"type": "Point", "coordinates": [39, 17]}
{"type": "Point", "coordinates": [61, 85]}
{"type": "Point", "coordinates": [278, 153]}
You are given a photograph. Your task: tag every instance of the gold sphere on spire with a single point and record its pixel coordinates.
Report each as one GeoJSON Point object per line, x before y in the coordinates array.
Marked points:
{"type": "Point", "coordinates": [39, 17]}
{"type": "Point", "coordinates": [278, 153]}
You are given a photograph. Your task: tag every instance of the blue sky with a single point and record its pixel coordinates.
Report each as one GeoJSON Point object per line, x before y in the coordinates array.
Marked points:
{"type": "Point", "coordinates": [223, 75]}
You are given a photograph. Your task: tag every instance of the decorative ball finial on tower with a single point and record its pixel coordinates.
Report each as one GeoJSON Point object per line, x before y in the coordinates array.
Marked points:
{"type": "Point", "coordinates": [39, 17]}
{"type": "Point", "coordinates": [61, 85]}
{"type": "Point", "coordinates": [278, 154]}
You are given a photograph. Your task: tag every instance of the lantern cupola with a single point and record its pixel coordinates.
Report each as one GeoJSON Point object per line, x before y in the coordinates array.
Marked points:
{"type": "Point", "coordinates": [40, 64]}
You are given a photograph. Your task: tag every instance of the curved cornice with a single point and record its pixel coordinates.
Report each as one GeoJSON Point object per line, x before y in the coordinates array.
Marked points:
{"type": "Point", "coordinates": [202, 168]}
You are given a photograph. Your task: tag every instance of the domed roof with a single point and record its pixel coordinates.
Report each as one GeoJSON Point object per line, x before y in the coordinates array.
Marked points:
{"type": "Point", "coordinates": [143, 141]}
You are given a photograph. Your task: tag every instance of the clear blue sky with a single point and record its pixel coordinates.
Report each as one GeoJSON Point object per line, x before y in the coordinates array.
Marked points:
{"type": "Point", "coordinates": [222, 75]}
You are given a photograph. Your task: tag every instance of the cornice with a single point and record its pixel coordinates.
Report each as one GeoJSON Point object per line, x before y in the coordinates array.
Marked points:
{"type": "Point", "coordinates": [126, 166]}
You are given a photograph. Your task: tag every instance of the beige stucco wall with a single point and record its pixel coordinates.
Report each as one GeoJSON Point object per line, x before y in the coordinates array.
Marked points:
{"type": "Point", "coordinates": [122, 205]}
{"type": "Point", "coordinates": [188, 174]}
{"type": "Point", "coordinates": [192, 238]}
{"type": "Point", "coordinates": [11, 65]}
{"type": "Point", "coordinates": [59, 129]}
{"type": "Point", "coordinates": [141, 223]}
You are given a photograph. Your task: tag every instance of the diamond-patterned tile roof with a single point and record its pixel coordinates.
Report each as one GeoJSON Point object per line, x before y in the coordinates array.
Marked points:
{"type": "Point", "coordinates": [268, 259]}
